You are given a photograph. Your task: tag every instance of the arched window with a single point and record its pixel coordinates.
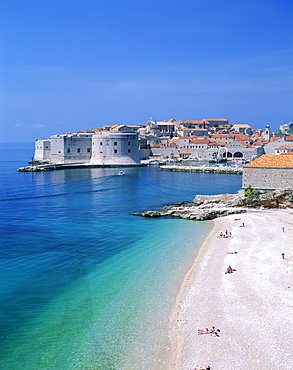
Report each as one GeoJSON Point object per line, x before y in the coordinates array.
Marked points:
{"type": "Point", "coordinates": [229, 155]}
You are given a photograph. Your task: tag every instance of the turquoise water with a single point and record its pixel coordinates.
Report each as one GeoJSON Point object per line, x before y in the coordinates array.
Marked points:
{"type": "Point", "coordinates": [85, 285]}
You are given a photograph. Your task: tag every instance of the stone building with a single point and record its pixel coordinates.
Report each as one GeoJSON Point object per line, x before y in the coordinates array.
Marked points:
{"type": "Point", "coordinates": [93, 148]}
{"type": "Point", "coordinates": [42, 150]}
{"type": "Point", "coordinates": [241, 150]}
{"type": "Point", "coordinates": [65, 148]}
{"type": "Point", "coordinates": [71, 148]}
{"type": "Point", "coordinates": [276, 142]}
{"type": "Point", "coordinates": [113, 148]}
{"type": "Point", "coordinates": [242, 128]}
{"type": "Point", "coordinates": [269, 172]}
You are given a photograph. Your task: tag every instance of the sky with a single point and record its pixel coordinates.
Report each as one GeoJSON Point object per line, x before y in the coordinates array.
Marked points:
{"type": "Point", "coordinates": [70, 65]}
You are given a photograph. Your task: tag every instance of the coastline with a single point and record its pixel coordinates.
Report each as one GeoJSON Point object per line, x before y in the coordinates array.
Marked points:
{"type": "Point", "coordinates": [252, 306]}
{"type": "Point", "coordinates": [175, 338]}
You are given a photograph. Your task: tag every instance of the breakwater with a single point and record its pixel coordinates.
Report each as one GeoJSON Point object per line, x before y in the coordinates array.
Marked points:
{"type": "Point", "coordinates": [64, 166]}
{"type": "Point", "coordinates": [205, 169]}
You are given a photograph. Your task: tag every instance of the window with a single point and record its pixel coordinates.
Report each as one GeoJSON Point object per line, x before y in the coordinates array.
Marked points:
{"type": "Point", "coordinates": [78, 150]}
{"type": "Point", "coordinates": [115, 150]}
{"type": "Point", "coordinates": [101, 143]}
{"type": "Point", "coordinates": [129, 143]}
{"type": "Point", "coordinates": [88, 150]}
{"type": "Point", "coordinates": [68, 150]}
{"type": "Point", "coordinates": [115, 143]}
{"type": "Point", "coordinates": [129, 150]}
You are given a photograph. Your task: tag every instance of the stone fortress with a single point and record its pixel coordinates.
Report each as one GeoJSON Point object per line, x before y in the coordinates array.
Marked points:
{"type": "Point", "coordinates": [93, 148]}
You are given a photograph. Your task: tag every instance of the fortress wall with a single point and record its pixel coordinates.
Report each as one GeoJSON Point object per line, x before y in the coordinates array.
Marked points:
{"type": "Point", "coordinates": [267, 178]}
{"type": "Point", "coordinates": [115, 148]}
{"type": "Point", "coordinates": [42, 150]}
{"type": "Point", "coordinates": [77, 149]}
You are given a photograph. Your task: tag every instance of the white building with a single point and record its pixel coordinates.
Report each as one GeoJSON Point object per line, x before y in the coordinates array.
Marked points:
{"type": "Point", "coordinates": [115, 148]}
{"type": "Point", "coordinates": [92, 148]}
{"type": "Point", "coordinates": [284, 149]}
{"type": "Point", "coordinates": [287, 126]}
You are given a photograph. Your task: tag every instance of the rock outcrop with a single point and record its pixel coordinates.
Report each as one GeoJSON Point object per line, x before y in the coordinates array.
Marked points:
{"type": "Point", "coordinates": [208, 207]}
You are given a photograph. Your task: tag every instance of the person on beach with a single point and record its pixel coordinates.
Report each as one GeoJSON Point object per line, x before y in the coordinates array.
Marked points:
{"type": "Point", "coordinates": [215, 332]}
{"type": "Point", "coordinates": [232, 252]}
{"type": "Point", "coordinates": [229, 270]}
{"type": "Point", "coordinates": [209, 331]}
{"type": "Point", "coordinates": [243, 225]}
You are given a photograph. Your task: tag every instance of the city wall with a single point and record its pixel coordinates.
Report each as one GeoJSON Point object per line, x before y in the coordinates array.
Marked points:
{"type": "Point", "coordinates": [267, 178]}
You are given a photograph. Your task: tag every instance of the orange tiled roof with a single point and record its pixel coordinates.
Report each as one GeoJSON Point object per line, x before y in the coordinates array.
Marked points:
{"type": "Point", "coordinates": [290, 153]}
{"type": "Point", "coordinates": [272, 161]}
{"type": "Point", "coordinates": [95, 129]}
{"type": "Point", "coordinates": [215, 119]}
{"type": "Point", "coordinates": [274, 138]}
{"type": "Point", "coordinates": [185, 151]}
{"type": "Point", "coordinates": [289, 138]}
{"type": "Point", "coordinates": [259, 142]}
{"type": "Point", "coordinates": [200, 141]}
{"type": "Point", "coordinates": [285, 147]}
{"type": "Point", "coordinates": [223, 135]}
{"type": "Point", "coordinates": [241, 137]}
{"type": "Point", "coordinates": [219, 143]}
{"type": "Point", "coordinates": [244, 143]}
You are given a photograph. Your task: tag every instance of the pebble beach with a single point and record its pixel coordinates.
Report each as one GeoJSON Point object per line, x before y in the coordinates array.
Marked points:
{"type": "Point", "coordinates": [252, 307]}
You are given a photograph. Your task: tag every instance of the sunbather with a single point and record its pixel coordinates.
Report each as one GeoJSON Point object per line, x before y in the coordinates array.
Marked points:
{"type": "Point", "coordinates": [209, 331]}
{"type": "Point", "coordinates": [229, 270]}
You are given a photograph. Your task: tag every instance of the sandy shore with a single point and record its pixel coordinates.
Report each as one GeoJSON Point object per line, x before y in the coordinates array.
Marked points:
{"type": "Point", "coordinates": [252, 307]}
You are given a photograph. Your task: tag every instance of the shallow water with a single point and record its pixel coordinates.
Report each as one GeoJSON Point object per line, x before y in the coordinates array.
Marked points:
{"type": "Point", "coordinates": [85, 285]}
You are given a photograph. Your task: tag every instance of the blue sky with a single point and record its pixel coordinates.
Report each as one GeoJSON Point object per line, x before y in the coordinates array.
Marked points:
{"type": "Point", "coordinates": [71, 65]}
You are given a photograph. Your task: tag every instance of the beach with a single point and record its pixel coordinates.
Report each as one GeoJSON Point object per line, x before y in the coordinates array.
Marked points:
{"type": "Point", "coordinates": [252, 307]}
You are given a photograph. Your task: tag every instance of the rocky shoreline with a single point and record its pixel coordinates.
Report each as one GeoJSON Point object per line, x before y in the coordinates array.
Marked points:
{"type": "Point", "coordinates": [209, 207]}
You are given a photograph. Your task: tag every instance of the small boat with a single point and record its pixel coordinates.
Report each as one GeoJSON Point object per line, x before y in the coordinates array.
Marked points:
{"type": "Point", "coordinates": [120, 173]}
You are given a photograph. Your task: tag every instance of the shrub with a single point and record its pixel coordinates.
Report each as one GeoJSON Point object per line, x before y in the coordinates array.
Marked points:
{"type": "Point", "coordinates": [249, 192]}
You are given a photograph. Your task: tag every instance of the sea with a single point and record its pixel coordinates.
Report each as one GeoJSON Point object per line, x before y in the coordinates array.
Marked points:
{"type": "Point", "coordinates": [84, 283]}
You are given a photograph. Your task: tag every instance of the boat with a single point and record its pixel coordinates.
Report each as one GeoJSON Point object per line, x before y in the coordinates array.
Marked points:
{"type": "Point", "coordinates": [120, 173]}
